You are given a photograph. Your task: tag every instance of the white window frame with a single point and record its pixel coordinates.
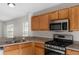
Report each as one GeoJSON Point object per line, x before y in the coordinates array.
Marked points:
{"type": "Point", "coordinates": [10, 30]}
{"type": "Point", "coordinates": [25, 29]}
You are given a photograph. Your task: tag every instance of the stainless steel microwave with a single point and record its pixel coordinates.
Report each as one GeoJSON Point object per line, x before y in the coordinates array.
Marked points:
{"type": "Point", "coordinates": [59, 25]}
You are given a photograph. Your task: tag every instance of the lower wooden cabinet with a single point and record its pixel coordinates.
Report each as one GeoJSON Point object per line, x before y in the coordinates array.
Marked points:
{"type": "Point", "coordinates": [72, 52]}
{"type": "Point", "coordinates": [39, 49]}
{"type": "Point", "coordinates": [11, 50]}
{"type": "Point", "coordinates": [26, 49]}
{"type": "Point", "coordinates": [20, 49]}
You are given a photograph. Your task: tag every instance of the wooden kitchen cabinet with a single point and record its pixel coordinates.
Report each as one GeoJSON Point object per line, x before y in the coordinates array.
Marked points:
{"type": "Point", "coordinates": [31, 48]}
{"type": "Point", "coordinates": [12, 50]}
{"type": "Point", "coordinates": [44, 23]}
{"type": "Point", "coordinates": [39, 49]}
{"type": "Point", "coordinates": [35, 23]}
{"type": "Point", "coordinates": [40, 23]}
{"type": "Point", "coordinates": [26, 49]}
{"type": "Point", "coordinates": [72, 52]}
{"type": "Point", "coordinates": [53, 15]}
{"type": "Point", "coordinates": [64, 13]}
{"type": "Point", "coordinates": [74, 18]}
{"type": "Point", "coordinates": [20, 49]}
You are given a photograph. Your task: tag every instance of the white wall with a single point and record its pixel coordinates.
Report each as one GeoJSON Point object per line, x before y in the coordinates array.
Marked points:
{"type": "Point", "coordinates": [18, 25]}
{"type": "Point", "coordinates": [1, 28]}
{"type": "Point", "coordinates": [49, 34]}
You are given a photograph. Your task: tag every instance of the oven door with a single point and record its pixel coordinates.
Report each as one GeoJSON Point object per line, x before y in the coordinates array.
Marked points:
{"type": "Point", "coordinates": [49, 51]}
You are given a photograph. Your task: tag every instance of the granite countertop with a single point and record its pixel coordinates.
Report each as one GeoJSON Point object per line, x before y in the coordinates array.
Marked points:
{"type": "Point", "coordinates": [27, 40]}
{"type": "Point", "coordinates": [74, 46]}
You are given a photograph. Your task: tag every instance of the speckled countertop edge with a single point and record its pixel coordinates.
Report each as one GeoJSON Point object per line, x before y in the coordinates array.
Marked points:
{"type": "Point", "coordinates": [28, 40]}
{"type": "Point", "coordinates": [74, 46]}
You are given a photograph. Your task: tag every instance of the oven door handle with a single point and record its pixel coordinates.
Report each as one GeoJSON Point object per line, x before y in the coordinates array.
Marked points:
{"type": "Point", "coordinates": [55, 50]}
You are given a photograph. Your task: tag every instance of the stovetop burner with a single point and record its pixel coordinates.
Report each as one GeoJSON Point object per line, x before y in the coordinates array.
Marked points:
{"type": "Point", "coordinates": [59, 43]}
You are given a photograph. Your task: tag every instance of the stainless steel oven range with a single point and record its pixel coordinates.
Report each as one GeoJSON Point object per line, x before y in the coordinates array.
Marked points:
{"type": "Point", "coordinates": [58, 45]}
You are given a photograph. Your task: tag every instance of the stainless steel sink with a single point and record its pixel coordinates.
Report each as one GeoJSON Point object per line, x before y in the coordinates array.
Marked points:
{"type": "Point", "coordinates": [13, 41]}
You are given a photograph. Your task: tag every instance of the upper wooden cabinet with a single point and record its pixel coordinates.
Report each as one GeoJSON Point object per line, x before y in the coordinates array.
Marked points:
{"type": "Point", "coordinates": [44, 23]}
{"type": "Point", "coordinates": [74, 18]}
{"type": "Point", "coordinates": [35, 23]}
{"type": "Point", "coordinates": [63, 13]}
{"type": "Point", "coordinates": [53, 15]}
{"type": "Point", "coordinates": [40, 23]}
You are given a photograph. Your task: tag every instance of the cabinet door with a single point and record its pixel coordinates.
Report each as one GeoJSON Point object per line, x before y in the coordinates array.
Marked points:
{"type": "Point", "coordinates": [74, 18]}
{"type": "Point", "coordinates": [35, 23]}
{"type": "Point", "coordinates": [63, 13]}
{"type": "Point", "coordinates": [12, 50]}
{"type": "Point", "coordinates": [44, 23]}
{"type": "Point", "coordinates": [26, 49]}
{"type": "Point", "coordinates": [53, 15]}
{"type": "Point", "coordinates": [72, 52]}
{"type": "Point", "coordinates": [39, 49]}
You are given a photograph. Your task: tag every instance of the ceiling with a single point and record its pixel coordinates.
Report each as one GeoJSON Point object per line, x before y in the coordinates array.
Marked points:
{"type": "Point", "coordinates": [21, 9]}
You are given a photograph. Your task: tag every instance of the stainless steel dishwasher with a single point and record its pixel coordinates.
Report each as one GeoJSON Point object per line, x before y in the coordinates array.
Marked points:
{"type": "Point", "coordinates": [1, 50]}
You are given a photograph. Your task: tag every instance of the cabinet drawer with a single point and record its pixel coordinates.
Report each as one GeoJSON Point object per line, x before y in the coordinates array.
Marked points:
{"type": "Point", "coordinates": [25, 45]}
{"type": "Point", "coordinates": [12, 52]}
{"type": "Point", "coordinates": [72, 52]}
{"type": "Point", "coordinates": [39, 45]}
{"type": "Point", "coordinates": [12, 47]}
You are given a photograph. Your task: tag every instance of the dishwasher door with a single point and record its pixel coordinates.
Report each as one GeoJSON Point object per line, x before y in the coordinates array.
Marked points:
{"type": "Point", "coordinates": [1, 50]}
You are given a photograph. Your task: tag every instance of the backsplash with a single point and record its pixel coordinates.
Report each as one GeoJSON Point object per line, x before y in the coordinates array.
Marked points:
{"type": "Point", "coordinates": [49, 34]}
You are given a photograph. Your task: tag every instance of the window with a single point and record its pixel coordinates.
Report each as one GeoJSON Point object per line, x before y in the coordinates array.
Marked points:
{"type": "Point", "coordinates": [25, 29]}
{"type": "Point", "coordinates": [10, 30]}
